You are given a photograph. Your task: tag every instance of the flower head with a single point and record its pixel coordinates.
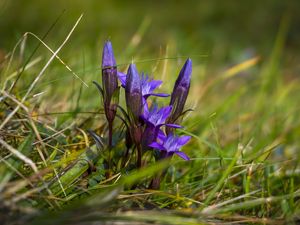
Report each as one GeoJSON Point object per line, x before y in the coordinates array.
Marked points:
{"type": "Point", "coordinates": [181, 90]}
{"type": "Point", "coordinates": [171, 144]}
{"type": "Point", "coordinates": [157, 116]}
{"type": "Point", "coordinates": [148, 85]}
{"type": "Point", "coordinates": [133, 93]}
{"type": "Point", "coordinates": [154, 119]}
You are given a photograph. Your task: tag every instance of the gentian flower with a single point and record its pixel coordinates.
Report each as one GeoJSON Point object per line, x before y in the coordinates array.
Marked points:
{"type": "Point", "coordinates": [133, 93]}
{"type": "Point", "coordinates": [148, 85]}
{"type": "Point", "coordinates": [180, 91]}
{"type": "Point", "coordinates": [171, 144]}
{"type": "Point", "coordinates": [109, 81]}
{"type": "Point", "coordinates": [154, 119]}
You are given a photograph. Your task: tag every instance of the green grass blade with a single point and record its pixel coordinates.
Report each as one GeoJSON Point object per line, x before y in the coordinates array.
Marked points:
{"type": "Point", "coordinates": [223, 178]}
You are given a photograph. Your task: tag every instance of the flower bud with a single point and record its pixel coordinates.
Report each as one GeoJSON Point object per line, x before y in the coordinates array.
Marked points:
{"type": "Point", "coordinates": [109, 81]}
{"type": "Point", "coordinates": [133, 93]}
{"type": "Point", "coordinates": [180, 91]}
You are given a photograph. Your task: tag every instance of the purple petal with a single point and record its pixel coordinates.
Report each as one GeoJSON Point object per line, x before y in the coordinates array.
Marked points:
{"type": "Point", "coordinates": [154, 84]}
{"type": "Point", "coordinates": [157, 146]}
{"type": "Point", "coordinates": [182, 155]}
{"type": "Point", "coordinates": [184, 77]}
{"type": "Point", "coordinates": [163, 95]}
{"type": "Point", "coordinates": [144, 78]}
{"type": "Point", "coordinates": [166, 113]}
{"type": "Point", "coordinates": [183, 140]}
{"type": "Point", "coordinates": [173, 125]}
{"type": "Point", "coordinates": [146, 109]}
{"type": "Point", "coordinates": [122, 78]}
{"type": "Point", "coordinates": [158, 117]}
{"type": "Point", "coordinates": [148, 86]}
{"type": "Point", "coordinates": [161, 136]}
{"type": "Point", "coordinates": [108, 59]}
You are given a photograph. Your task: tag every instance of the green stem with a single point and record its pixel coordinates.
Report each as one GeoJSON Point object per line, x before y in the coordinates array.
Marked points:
{"type": "Point", "coordinates": [110, 134]}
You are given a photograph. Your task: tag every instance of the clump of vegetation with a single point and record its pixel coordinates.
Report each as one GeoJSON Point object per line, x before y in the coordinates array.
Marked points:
{"type": "Point", "coordinates": [143, 123]}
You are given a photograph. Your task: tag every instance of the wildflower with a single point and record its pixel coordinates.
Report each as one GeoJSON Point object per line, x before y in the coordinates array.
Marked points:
{"type": "Point", "coordinates": [154, 119]}
{"type": "Point", "coordinates": [109, 81]}
{"type": "Point", "coordinates": [180, 91]}
{"type": "Point", "coordinates": [171, 144]}
{"type": "Point", "coordinates": [148, 85]}
{"type": "Point", "coordinates": [133, 93]}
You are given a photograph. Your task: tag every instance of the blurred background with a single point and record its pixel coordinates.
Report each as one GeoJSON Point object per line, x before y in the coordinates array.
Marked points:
{"type": "Point", "coordinates": [225, 30]}
{"type": "Point", "coordinates": [215, 34]}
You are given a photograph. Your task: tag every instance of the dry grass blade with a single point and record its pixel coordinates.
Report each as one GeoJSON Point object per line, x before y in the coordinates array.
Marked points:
{"type": "Point", "coordinates": [56, 56]}
{"type": "Point", "coordinates": [19, 155]}
{"type": "Point", "coordinates": [20, 104]}
{"type": "Point", "coordinates": [211, 208]}
{"type": "Point", "coordinates": [252, 203]}
{"type": "Point", "coordinates": [240, 67]}
{"type": "Point", "coordinates": [40, 74]}
{"type": "Point", "coordinates": [55, 134]}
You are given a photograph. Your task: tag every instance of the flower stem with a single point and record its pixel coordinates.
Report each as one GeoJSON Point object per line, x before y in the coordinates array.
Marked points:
{"type": "Point", "coordinates": [110, 133]}
{"type": "Point", "coordinates": [156, 180]}
{"type": "Point", "coordinates": [139, 156]}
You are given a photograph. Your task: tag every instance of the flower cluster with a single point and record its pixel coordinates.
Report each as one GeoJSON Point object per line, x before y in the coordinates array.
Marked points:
{"type": "Point", "coordinates": [148, 127]}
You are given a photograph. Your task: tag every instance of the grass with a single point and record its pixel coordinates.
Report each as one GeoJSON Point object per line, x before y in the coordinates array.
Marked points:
{"type": "Point", "coordinates": [244, 165]}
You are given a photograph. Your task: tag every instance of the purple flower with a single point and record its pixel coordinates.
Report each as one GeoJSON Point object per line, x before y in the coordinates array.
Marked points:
{"type": "Point", "coordinates": [154, 119]}
{"type": "Point", "coordinates": [109, 81]}
{"type": "Point", "coordinates": [148, 85]}
{"type": "Point", "coordinates": [133, 93]}
{"type": "Point", "coordinates": [157, 117]}
{"type": "Point", "coordinates": [180, 91]}
{"type": "Point", "coordinates": [171, 144]}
